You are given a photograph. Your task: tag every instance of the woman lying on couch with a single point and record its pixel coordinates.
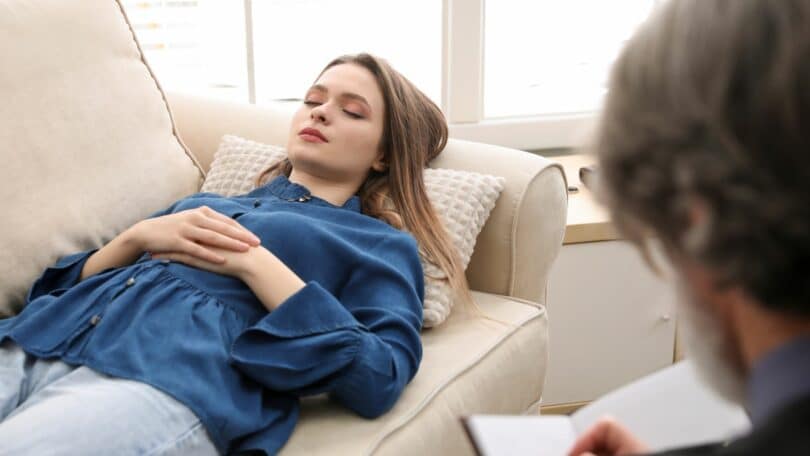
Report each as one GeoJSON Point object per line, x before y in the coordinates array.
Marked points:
{"type": "Point", "coordinates": [195, 331]}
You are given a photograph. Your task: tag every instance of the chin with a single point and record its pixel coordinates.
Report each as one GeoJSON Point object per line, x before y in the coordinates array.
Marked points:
{"type": "Point", "coordinates": [301, 154]}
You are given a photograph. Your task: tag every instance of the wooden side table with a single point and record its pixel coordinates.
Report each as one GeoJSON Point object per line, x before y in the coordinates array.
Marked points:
{"type": "Point", "coordinates": [610, 318]}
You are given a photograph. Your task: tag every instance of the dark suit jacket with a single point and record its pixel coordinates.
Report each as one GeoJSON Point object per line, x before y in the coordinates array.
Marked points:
{"type": "Point", "coordinates": [786, 433]}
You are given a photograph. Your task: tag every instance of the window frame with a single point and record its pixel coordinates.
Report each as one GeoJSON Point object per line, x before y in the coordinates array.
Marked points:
{"type": "Point", "coordinates": [462, 89]}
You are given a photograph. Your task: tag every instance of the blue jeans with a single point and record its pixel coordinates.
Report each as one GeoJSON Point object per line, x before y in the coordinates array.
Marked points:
{"type": "Point", "coordinates": [48, 407]}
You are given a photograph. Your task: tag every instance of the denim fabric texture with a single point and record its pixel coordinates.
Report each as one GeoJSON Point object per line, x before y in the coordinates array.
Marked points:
{"type": "Point", "coordinates": [204, 339]}
{"type": "Point", "coordinates": [49, 407]}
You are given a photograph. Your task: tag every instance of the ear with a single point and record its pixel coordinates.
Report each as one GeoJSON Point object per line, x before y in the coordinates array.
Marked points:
{"type": "Point", "coordinates": [706, 286]}
{"type": "Point", "coordinates": [379, 163]}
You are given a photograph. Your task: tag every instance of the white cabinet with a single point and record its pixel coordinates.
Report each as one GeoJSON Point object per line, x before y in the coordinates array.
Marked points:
{"type": "Point", "coordinates": [611, 321]}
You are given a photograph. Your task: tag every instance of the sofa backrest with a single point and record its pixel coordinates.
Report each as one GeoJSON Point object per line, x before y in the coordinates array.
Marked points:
{"type": "Point", "coordinates": [515, 250]}
{"type": "Point", "coordinates": [88, 145]}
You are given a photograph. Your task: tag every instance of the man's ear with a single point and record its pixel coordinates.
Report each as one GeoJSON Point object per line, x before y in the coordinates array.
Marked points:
{"type": "Point", "coordinates": [712, 291]}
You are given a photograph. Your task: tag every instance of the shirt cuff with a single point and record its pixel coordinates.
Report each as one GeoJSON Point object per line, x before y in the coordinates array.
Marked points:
{"type": "Point", "coordinates": [311, 310]}
{"type": "Point", "coordinates": [61, 276]}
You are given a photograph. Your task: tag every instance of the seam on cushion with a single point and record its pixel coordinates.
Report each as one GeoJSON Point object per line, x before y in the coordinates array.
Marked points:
{"type": "Point", "coordinates": [516, 221]}
{"type": "Point", "coordinates": [375, 445]}
{"type": "Point", "coordinates": [534, 407]}
{"type": "Point", "coordinates": [527, 302]}
{"type": "Point", "coordinates": [162, 96]}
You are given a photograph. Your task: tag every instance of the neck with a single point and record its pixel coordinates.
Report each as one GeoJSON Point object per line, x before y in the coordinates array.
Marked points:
{"type": "Point", "coordinates": [336, 193]}
{"type": "Point", "coordinates": [759, 330]}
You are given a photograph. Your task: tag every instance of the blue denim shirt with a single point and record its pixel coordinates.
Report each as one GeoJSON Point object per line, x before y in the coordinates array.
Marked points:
{"type": "Point", "coordinates": [205, 339]}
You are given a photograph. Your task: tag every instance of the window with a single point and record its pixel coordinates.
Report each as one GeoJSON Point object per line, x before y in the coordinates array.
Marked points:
{"type": "Point", "coordinates": [552, 56]}
{"type": "Point", "coordinates": [527, 74]}
{"type": "Point", "coordinates": [193, 46]}
{"type": "Point", "coordinates": [294, 40]}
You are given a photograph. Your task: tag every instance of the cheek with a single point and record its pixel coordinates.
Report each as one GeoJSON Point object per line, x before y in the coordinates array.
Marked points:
{"type": "Point", "coordinates": [296, 124]}
{"type": "Point", "coordinates": [364, 140]}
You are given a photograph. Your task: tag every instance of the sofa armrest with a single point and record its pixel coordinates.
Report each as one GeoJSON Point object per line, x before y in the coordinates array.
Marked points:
{"type": "Point", "coordinates": [523, 235]}
{"type": "Point", "coordinates": [521, 239]}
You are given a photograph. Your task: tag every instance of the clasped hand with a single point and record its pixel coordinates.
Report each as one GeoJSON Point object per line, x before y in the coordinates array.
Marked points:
{"type": "Point", "coordinates": [200, 237]}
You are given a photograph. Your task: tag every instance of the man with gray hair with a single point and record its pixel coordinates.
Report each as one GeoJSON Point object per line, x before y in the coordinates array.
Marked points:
{"type": "Point", "coordinates": [704, 147]}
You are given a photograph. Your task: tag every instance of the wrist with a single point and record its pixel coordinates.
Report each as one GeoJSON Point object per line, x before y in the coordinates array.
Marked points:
{"type": "Point", "coordinates": [263, 265]}
{"type": "Point", "coordinates": [130, 239]}
{"type": "Point", "coordinates": [258, 260]}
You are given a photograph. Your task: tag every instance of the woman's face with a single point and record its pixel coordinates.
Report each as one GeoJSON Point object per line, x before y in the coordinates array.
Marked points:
{"type": "Point", "coordinates": [335, 134]}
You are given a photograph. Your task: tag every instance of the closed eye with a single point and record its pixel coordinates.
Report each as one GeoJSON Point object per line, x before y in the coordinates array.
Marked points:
{"type": "Point", "coordinates": [353, 114]}
{"type": "Point", "coordinates": [311, 103]}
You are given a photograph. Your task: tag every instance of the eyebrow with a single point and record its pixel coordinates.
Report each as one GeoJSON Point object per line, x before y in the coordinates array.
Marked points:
{"type": "Point", "coordinates": [350, 95]}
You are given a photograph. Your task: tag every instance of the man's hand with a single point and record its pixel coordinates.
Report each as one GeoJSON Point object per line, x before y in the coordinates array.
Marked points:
{"type": "Point", "coordinates": [607, 438]}
{"type": "Point", "coordinates": [201, 233]}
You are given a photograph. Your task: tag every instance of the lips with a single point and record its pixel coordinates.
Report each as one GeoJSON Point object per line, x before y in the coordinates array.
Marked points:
{"type": "Point", "coordinates": [312, 135]}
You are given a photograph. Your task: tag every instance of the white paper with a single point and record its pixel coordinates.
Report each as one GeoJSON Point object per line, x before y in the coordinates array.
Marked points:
{"type": "Point", "coordinates": [670, 408]}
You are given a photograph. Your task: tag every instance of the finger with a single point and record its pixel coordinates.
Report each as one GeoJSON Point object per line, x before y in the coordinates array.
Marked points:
{"type": "Point", "coordinates": [179, 258]}
{"type": "Point", "coordinates": [229, 227]}
{"type": "Point", "coordinates": [198, 251]}
{"type": "Point", "coordinates": [215, 239]}
{"type": "Point", "coordinates": [620, 440]}
{"type": "Point", "coordinates": [591, 441]}
{"type": "Point", "coordinates": [212, 214]}
{"type": "Point", "coordinates": [608, 437]}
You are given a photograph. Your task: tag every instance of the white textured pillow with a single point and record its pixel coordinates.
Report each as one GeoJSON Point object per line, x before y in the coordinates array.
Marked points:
{"type": "Point", "coordinates": [463, 201]}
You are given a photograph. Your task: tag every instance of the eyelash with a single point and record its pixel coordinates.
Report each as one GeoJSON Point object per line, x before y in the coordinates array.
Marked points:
{"type": "Point", "coordinates": [353, 115]}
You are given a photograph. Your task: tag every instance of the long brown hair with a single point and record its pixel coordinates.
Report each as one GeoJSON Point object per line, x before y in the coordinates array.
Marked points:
{"type": "Point", "coordinates": [414, 133]}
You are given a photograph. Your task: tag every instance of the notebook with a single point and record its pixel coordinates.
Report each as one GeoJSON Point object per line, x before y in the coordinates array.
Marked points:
{"type": "Point", "coordinates": [668, 409]}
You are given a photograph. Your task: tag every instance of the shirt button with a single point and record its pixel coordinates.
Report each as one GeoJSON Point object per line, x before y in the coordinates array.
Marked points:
{"type": "Point", "coordinates": [95, 320]}
{"type": "Point", "coordinates": [257, 203]}
{"type": "Point", "coordinates": [131, 281]}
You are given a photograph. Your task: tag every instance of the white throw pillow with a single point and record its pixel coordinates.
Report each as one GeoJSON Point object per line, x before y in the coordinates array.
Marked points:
{"type": "Point", "coordinates": [463, 201]}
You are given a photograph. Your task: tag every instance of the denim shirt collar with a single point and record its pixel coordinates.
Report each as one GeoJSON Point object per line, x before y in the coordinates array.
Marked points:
{"type": "Point", "coordinates": [282, 188]}
{"type": "Point", "coordinates": [779, 378]}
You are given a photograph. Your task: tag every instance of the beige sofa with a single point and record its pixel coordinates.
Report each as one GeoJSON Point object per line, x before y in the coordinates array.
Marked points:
{"type": "Point", "coordinates": [89, 147]}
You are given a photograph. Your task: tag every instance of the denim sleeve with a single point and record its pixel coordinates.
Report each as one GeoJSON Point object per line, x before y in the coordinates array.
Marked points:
{"type": "Point", "coordinates": [362, 346]}
{"type": "Point", "coordinates": [66, 271]}
{"type": "Point", "coordinates": [59, 277]}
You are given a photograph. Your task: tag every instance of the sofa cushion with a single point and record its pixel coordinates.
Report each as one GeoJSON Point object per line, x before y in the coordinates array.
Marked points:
{"type": "Point", "coordinates": [462, 200]}
{"type": "Point", "coordinates": [470, 365]}
{"type": "Point", "coordinates": [88, 144]}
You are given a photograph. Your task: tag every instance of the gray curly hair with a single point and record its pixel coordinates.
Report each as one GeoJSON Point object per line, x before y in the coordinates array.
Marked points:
{"type": "Point", "coordinates": [709, 107]}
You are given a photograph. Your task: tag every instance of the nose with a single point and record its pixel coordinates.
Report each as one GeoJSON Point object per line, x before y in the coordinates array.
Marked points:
{"type": "Point", "coordinates": [318, 114]}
